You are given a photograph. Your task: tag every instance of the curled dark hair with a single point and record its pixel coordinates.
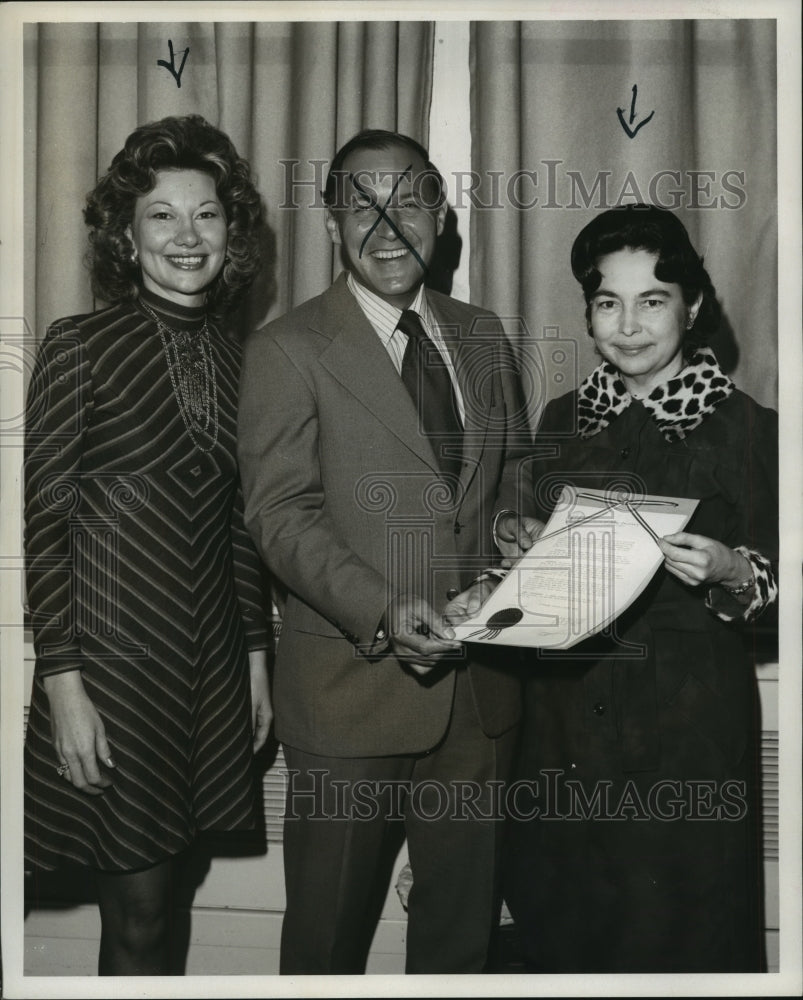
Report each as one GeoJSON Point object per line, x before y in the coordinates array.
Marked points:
{"type": "Point", "coordinates": [175, 143]}
{"type": "Point", "coordinates": [377, 138]}
{"type": "Point", "coordinates": [658, 231]}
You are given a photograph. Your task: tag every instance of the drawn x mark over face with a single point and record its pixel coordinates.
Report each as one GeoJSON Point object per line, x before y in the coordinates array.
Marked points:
{"type": "Point", "coordinates": [387, 222]}
{"type": "Point", "coordinates": [382, 214]}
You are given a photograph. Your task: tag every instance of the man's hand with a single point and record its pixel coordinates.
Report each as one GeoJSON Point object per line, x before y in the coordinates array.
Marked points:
{"type": "Point", "coordinates": [515, 534]}
{"type": "Point", "coordinates": [418, 636]}
{"type": "Point", "coordinates": [79, 736]}
{"type": "Point", "coordinates": [467, 604]}
{"type": "Point", "coordinates": [261, 705]}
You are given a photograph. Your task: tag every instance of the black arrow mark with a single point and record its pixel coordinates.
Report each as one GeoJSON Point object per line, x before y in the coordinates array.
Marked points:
{"type": "Point", "coordinates": [171, 66]}
{"type": "Point", "coordinates": [620, 111]}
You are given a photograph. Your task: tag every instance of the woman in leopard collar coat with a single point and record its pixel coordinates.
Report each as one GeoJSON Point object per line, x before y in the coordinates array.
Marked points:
{"type": "Point", "coordinates": [639, 847]}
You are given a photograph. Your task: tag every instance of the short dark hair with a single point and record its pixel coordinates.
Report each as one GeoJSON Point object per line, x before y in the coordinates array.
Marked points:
{"type": "Point", "coordinates": [658, 231]}
{"type": "Point", "coordinates": [173, 143]}
{"type": "Point", "coordinates": [377, 138]}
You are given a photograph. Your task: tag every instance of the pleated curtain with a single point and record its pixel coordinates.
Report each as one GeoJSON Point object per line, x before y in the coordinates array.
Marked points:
{"type": "Point", "coordinates": [549, 103]}
{"type": "Point", "coordinates": [549, 150]}
{"type": "Point", "coordinates": [287, 93]}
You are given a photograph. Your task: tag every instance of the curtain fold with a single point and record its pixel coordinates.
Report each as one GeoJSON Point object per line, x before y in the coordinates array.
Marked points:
{"type": "Point", "coordinates": [287, 93]}
{"type": "Point", "coordinates": [550, 101]}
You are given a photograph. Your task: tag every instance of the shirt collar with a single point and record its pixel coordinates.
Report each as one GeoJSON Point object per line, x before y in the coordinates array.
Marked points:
{"type": "Point", "coordinates": [381, 314]}
{"type": "Point", "coordinates": [677, 406]}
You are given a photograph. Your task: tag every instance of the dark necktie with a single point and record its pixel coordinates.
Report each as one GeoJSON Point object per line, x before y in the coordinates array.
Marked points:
{"type": "Point", "coordinates": [427, 379]}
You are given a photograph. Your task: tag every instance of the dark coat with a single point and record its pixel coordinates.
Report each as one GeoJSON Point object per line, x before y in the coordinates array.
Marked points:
{"type": "Point", "coordinates": [659, 719]}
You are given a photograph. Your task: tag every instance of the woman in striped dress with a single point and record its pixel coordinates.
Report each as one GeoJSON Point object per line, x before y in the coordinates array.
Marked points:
{"type": "Point", "coordinates": [151, 691]}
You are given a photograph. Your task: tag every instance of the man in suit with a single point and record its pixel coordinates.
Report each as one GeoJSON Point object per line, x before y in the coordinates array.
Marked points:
{"type": "Point", "coordinates": [370, 489]}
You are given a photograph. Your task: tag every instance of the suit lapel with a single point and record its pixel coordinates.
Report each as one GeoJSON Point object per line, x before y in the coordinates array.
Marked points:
{"type": "Point", "coordinates": [359, 361]}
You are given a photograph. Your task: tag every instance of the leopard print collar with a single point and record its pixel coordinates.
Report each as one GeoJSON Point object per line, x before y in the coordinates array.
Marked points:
{"type": "Point", "coordinates": [677, 407]}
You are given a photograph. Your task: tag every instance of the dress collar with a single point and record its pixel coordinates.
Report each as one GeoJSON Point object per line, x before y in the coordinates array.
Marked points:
{"type": "Point", "coordinates": [172, 314]}
{"type": "Point", "coordinates": [677, 406]}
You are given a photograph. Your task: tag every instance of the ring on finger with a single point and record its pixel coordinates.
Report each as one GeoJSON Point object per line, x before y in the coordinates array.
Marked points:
{"type": "Point", "coordinates": [62, 769]}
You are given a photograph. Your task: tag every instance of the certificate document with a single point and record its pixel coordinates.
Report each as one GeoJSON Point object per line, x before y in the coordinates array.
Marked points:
{"type": "Point", "coordinates": [595, 556]}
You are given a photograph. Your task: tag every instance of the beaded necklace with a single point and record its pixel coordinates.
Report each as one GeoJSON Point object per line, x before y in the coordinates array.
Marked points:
{"type": "Point", "coordinates": [191, 366]}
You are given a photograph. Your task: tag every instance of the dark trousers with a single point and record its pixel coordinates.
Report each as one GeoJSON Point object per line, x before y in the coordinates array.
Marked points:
{"type": "Point", "coordinates": [344, 822]}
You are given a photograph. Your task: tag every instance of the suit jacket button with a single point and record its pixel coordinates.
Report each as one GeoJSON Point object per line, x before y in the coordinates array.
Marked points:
{"type": "Point", "coordinates": [625, 452]}
{"type": "Point", "coordinates": [599, 708]}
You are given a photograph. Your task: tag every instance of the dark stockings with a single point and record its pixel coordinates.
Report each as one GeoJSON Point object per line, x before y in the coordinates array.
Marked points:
{"type": "Point", "coordinates": [135, 919]}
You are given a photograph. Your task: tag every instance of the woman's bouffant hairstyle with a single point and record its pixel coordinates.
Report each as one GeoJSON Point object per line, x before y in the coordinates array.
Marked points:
{"type": "Point", "coordinates": [658, 231]}
{"type": "Point", "coordinates": [175, 143]}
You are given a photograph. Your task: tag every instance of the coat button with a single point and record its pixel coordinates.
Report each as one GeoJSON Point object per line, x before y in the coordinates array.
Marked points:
{"type": "Point", "coordinates": [599, 708]}
{"type": "Point", "coordinates": [625, 452]}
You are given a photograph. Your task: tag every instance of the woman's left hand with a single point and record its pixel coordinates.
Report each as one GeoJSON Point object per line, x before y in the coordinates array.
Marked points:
{"type": "Point", "coordinates": [261, 705]}
{"type": "Point", "coordinates": [695, 559]}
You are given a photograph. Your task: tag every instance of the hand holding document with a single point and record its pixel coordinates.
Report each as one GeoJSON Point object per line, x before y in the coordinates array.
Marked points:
{"type": "Point", "coordinates": [595, 556]}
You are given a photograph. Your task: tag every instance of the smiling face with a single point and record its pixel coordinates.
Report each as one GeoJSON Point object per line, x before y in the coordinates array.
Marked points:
{"type": "Point", "coordinates": [638, 322]}
{"type": "Point", "coordinates": [180, 235]}
{"type": "Point", "coordinates": [387, 224]}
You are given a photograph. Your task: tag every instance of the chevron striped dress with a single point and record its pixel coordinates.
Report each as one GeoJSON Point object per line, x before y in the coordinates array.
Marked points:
{"type": "Point", "coordinates": [141, 575]}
